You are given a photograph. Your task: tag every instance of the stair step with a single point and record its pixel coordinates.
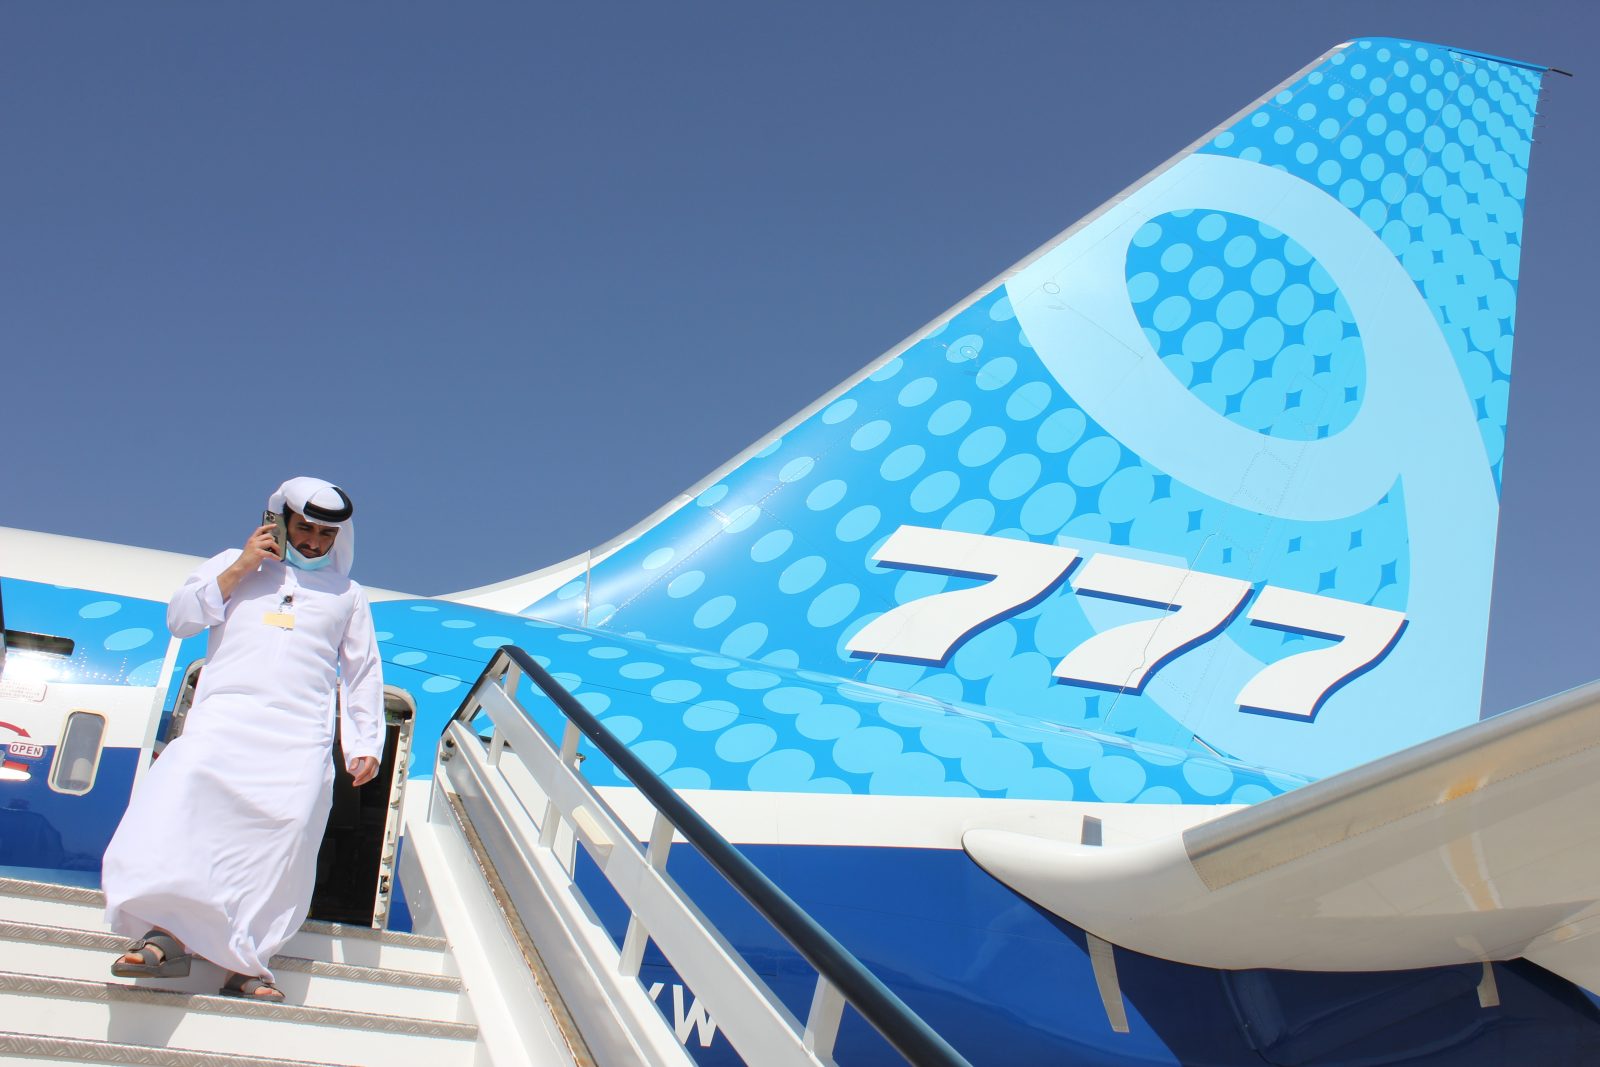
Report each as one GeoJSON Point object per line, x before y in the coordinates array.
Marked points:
{"type": "Point", "coordinates": [45, 902]}
{"type": "Point", "coordinates": [86, 954]}
{"type": "Point", "coordinates": [367, 933]}
{"type": "Point", "coordinates": [22, 887]}
{"type": "Point", "coordinates": [73, 907]}
{"type": "Point", "coordinates": [360, 946]}
{"type": "Point", "coordinates": [17, 1049]}
{"type": "Point", "coordinates": [137, 1015]}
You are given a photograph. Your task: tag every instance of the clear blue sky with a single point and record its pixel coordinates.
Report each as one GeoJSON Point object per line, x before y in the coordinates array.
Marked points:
{"type": "Point", "coordinates": [516, 274]}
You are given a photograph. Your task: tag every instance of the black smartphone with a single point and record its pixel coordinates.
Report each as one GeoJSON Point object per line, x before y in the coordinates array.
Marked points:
{"type": "Point", "coordinates": [280, 529]}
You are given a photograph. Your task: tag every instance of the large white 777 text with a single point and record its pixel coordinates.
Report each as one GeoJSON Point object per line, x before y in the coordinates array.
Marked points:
{"type": "Point", "coordinates": [1198, 606]}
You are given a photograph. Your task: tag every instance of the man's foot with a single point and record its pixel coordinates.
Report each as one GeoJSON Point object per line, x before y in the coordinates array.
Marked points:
{"type": "Point", "coordinates": [144, 955]}
{"type": "Point", "coordinates": [156, 955]}
{"type": "Point", "coordinates": [251, 988]}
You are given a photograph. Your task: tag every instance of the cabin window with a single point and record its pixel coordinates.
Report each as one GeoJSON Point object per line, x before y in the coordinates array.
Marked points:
{"type": "Point", "coordinates": [78, 756]}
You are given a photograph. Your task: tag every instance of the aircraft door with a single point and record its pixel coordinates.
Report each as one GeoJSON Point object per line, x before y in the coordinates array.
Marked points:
{"type": "Point", "coordinates": [356, 881]}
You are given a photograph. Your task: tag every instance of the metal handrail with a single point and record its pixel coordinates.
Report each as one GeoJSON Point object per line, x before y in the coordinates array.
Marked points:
{"type": "Point", "coordinates": [875, 1002]}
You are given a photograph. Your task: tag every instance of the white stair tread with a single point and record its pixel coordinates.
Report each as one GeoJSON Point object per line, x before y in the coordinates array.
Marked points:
{"type": "Point", "coordinates": [73, 907]}
{"type": "Point", "coordinates": [82, 1009]}
{"type": "Point", "coordinates": [102, 941]}
{"type": "Point", "coordinates": [94, 898]}
{"type": "Point", "coordinates": [42, 1048]}
{"type": "Point", "coordinates": [87, 990]}
{"type": "Point", "coordinates": [367, 933]}
{"type": "Point", "coordinates": [58, 952]}
{"type": "Point", "coordinates": [22, 887]}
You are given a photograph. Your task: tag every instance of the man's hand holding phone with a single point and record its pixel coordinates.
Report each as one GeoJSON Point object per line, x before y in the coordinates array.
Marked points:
{"type": "Point", "coordinates": [263, 544]}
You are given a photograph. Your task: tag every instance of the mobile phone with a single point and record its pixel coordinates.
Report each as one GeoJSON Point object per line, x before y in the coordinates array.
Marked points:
{"type": "Point", "coordinates": [280, 529]}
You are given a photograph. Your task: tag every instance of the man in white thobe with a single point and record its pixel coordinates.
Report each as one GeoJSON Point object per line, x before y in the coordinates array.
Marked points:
{"type": "Point", "coordinates": [216, 854]}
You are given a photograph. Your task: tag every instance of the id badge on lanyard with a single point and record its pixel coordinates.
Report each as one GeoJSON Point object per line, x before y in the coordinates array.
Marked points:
{"type": "Point", "coordinates": [283, 618]}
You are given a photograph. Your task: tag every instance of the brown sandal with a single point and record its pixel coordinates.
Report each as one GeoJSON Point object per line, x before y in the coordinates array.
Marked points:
{"type": "Point", "coordinates": [247, 987]}
{"type": "Point", "coordinates": [174, 961]}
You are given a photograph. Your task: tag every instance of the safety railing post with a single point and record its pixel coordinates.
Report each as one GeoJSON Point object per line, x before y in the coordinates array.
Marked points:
{"type": "Point", "coordinates": [508, 678]}
{"type": "Point", "coordinates": [511, 678]}
{"type": "Point", "coordinates": [822, 1022]}
{"type": "Point", "coordinates": [497, 745]}
{"type": "Point", "coordinates": [552, 814]}
{"type": "Point", "coordinates": [656, 855]}
{"type": "Point", "coordinates": [569, 745]}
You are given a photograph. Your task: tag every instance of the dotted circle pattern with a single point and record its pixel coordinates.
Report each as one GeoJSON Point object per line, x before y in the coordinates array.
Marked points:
{"type": "Point", "coordinates": [718, 721]}
{"type": "Point", "coordinates": [1249, 321]}
{"type": "Point", "coordinates": [1429, 147]}
{"type": "Point", "coordinates": [772, 567]}
{"type": "Point", "coordinates": [116, 640]}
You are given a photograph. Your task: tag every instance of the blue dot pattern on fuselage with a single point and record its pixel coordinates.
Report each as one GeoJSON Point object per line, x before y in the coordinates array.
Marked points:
{"type": "Point", "coordinates": [117, 640]}
{"type": "Point", "coordinates": [703, 720]}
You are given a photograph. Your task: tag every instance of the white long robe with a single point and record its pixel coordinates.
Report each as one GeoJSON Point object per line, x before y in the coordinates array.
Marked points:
{"type": "Point", "coordinates": [219, 843]}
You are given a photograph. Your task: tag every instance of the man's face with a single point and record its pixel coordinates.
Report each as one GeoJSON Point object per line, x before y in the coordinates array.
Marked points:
{"type": "Point", "coordinates": [308, 538]}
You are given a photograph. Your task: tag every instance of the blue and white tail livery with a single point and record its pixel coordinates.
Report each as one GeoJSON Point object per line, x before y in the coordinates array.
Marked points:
{"type": "Point", "coordinates": [1215, 469]}
{"type": "Point", "coordinates": [1101, 666]}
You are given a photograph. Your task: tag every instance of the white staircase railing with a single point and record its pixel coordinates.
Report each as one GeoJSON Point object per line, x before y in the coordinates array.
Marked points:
{"type": "Point", "coordinates": [529, 805]}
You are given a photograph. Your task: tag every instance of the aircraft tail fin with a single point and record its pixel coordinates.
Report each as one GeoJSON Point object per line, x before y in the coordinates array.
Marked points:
{"type": "Point", "coordinates": [1217, 466]}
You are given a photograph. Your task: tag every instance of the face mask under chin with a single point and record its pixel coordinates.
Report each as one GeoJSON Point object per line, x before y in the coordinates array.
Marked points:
{"type": "Point", "coordinates": [305, 563]}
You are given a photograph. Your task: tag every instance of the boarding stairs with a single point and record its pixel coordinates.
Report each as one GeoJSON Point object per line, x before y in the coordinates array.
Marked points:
{"type": "Point", "coordinates": [509, 966]}
{"type": "Point", "coordinates": [355, 996]}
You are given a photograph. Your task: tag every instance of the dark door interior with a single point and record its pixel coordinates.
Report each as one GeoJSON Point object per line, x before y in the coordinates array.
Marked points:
{"type": "Point", "coordinates": [351, 872]}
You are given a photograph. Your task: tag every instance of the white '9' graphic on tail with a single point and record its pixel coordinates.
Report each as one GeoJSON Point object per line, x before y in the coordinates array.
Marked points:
{"type": "Point", "coordinates": [1125, 657]}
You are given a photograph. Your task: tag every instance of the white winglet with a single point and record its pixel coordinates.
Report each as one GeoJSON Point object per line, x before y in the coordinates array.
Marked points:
{"type": "Point", "coordinates": [1482, 844]}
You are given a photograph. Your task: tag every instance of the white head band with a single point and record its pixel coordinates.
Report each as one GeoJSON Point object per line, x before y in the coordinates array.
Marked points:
{"type": "Point", "coordinates": [324, 504]}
